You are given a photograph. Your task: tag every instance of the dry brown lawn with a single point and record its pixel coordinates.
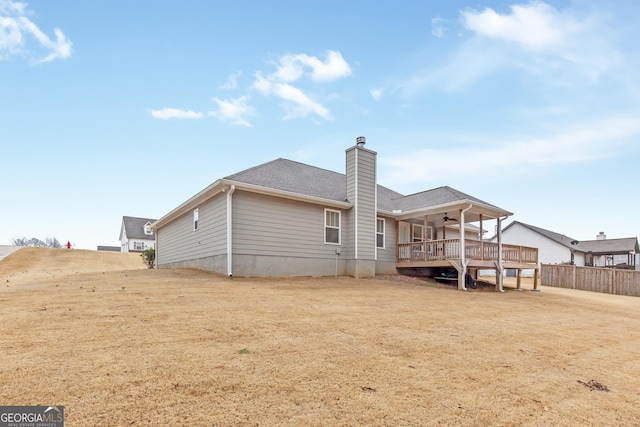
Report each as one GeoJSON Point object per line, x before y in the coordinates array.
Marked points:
{"type": "Point", "coordinates": [118, 344]}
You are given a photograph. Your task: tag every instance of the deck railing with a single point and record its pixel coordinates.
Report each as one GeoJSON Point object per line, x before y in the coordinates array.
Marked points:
{"type": "Point", "coordinates": [439, 250]}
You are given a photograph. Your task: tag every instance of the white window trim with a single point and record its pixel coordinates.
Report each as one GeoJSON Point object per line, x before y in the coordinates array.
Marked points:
{"type": "Point", "coordinates": [384, 229]}
{"type": "Point", "coordinates": [324, 230]}
{"type": "Point", "coordinates": [196, 220]}
{"type": "Point", "coordinates": [414, 227]}
{"type": "Point", "coordinates": [147, 229]}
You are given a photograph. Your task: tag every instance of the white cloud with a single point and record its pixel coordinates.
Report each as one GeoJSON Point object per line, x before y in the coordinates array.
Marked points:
{"type": "Point", "coordinates": [292, 67]}
{"type": "Point", "coordinates": [174, 113]}
{"type": "Point", "coordinates": [335, 67]}
{"type": "Point", "coordinates": [560, 48]}
{"type": "Point", "coordinates": [470, 62]}
{"type": "Point", "coordinates": [8, 7]}
{"type": "Point", "coordinates": [232, 81]}
{"type": "Point", "coordinates": [438, 26]}
{"type": "Point", "coordinates": [233, 111]}
{"type": "Point", "coordinates": [15, 26]}
{"type": "Point", "coordinates": [299, 104]}
{"type": "Point", "coordinates": [535, 26]}
{"type": "Point", "coordinates": [377, 93]}
{"type": "Point", "coordinates": [582, 142]}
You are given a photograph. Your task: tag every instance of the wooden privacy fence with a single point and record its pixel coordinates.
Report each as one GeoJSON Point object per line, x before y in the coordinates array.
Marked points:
{"type": "Point", "coordinates": [606, 280]}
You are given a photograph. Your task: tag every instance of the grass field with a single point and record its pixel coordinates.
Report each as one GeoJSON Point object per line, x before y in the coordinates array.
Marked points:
{"type": "Point", "coordinates": [118, 344]}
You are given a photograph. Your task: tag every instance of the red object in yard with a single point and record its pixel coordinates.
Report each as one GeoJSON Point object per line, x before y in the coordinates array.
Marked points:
{"type": "Point", "coordinates": [68, 245]}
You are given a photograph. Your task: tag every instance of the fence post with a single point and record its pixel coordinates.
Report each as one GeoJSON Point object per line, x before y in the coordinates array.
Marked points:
{"type": "Point", "coordinates": [611, 283]}
{"type": "Point", "coordinates": [573, 277]}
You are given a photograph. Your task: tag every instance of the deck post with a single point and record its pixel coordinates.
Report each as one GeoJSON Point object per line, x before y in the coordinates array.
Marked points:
{"type": "Point", "coordinates": [500, 270]}
{"type": "Point", "coordinates": [481, 240]}
{"type": "Point", "coordinates": [535, 279]}
{"type": "Point", "coordinates": [463, 259]}
{"type": "Point", "coordinates": [519, 280]}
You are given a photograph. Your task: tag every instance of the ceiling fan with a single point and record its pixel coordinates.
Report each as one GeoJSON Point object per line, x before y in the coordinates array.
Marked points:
{"type": "Point", "coordinates": [447, 218]}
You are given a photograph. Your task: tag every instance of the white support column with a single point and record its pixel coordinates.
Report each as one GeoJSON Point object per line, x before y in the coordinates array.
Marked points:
{"type": "Point", "coordinates": [500, 269]}
{"type": "Point", "coordinates": [463, 261]}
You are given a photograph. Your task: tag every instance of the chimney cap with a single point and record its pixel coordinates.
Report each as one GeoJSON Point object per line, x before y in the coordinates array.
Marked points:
{"type": "Point", "coordinates": [360, 141]}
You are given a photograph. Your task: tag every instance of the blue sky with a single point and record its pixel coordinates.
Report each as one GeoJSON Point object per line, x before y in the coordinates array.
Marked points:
{"type": "Point", "coordinates": [112, 108]}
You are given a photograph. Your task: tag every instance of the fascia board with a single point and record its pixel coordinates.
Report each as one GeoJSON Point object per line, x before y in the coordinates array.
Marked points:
{"type": "Point", "coordinates": [459, 204]}
{"type": "Point", "coordinates": [222, 185]}
{"type": "Point", "coordinates": [207, 193]}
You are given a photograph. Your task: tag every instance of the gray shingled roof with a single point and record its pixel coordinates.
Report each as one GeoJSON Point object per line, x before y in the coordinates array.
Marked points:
{"type": "Point", "coordinates": [434, 197]}
{"type": "Point", "coordinates": [556, 237]}
{"type": "Point", "coordinates": [134, 227]}
{"type": "Point", "coordinates": [610, 246]}
{"type": "Point", "coordinates": [287, 175]}
{"type": "Point", "coordinates": [300, 178]}
{"type": "Point", "coordinates": [606, 246]}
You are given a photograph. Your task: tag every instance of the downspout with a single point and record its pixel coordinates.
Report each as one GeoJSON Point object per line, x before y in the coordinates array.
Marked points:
{"type": "Point", "coordinates": [500, 269]}
{"type": "Point", "coordinates": [230, 230]}
{"type": "Point", "coordinates": [155, 248]}
{"type": "Point", "coordinates": [463, 260]}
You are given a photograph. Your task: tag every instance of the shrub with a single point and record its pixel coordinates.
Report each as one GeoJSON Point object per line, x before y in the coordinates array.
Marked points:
{"type": "Point", "coordinates": [149, 257]}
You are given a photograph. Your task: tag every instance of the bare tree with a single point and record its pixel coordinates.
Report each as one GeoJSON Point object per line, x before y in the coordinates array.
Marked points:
{"type": "Point", "coordinates": [49, 242]}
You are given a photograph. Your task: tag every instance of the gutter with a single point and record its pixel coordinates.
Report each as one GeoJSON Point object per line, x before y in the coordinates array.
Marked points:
{"type": "Point", "coordinates": [230, 230]}
{"type": "Point", "coordinates": [222, 184]}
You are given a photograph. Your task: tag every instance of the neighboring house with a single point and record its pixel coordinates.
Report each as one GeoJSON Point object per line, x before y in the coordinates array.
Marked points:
{"type": "Point", "coordinates": [285, 218]}
{"type": "Point", "coordinates": [604, 252]}
{"type": "Point", "coordinates": [556, 248]}
{"type": "Point", "coordinates": [136, 234]}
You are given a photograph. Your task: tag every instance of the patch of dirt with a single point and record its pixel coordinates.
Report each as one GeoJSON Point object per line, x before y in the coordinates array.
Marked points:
{"type": "Point", "coordinates": [118, 344]}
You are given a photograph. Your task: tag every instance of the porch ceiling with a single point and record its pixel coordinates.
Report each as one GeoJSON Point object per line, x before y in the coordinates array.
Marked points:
{"type": "Point", "coordinates": [436, 213]}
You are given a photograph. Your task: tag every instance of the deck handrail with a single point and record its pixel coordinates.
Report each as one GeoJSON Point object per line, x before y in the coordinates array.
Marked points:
{"type": "Point", "coordinates": [444, 249]}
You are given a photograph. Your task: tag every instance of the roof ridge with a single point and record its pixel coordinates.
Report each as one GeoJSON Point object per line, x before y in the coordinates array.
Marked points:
{"type": "Point", "coordinates": [285, 160]}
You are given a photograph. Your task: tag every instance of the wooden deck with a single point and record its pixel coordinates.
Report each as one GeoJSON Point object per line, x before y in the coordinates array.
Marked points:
{"type": "Point", "coordinates": [477, 254]}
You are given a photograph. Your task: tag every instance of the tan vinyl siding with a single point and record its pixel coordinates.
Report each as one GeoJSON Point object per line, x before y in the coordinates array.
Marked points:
{"type": "Point", "coordinates": [271, 226]}
{"type": "Point", "coordinates": [177, 241]}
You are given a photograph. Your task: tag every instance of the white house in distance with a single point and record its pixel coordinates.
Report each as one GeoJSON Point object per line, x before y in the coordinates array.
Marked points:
{"type": "Point", "coordinates": [556, 248]}
{"type": "Point", "coordinates": [285, 218]}
{"type": "Point", "coordinates": [136, 234]}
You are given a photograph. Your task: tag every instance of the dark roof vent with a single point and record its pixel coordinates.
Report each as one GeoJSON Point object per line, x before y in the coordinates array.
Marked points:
{"type": "Point", "coordinates": [360, 141]}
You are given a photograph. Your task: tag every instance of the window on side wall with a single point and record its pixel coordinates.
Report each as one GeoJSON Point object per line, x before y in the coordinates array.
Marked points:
{"type": "Point", "coordinates": [138, 246]}
{"type": "Point", "coordinates": [380, 233]}
{"type": "Point", "coordinates": [332, 226]}
{"type": "Point", "coordinates": [196, 222]}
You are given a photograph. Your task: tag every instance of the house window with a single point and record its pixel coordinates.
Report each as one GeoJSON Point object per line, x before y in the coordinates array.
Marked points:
{"type": "Point", "coordinates": [196, 223]}
{"type": "Point", "coordinates": [332, 226]}
{"type": "Point", "coordinates": [418, 233]}
{"type": "Point", "coordinates": [138, 246]}
{"type": "Point", "coordinates": [147, 229]}
{"type": "Point", "coordinates": [380, 233]}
